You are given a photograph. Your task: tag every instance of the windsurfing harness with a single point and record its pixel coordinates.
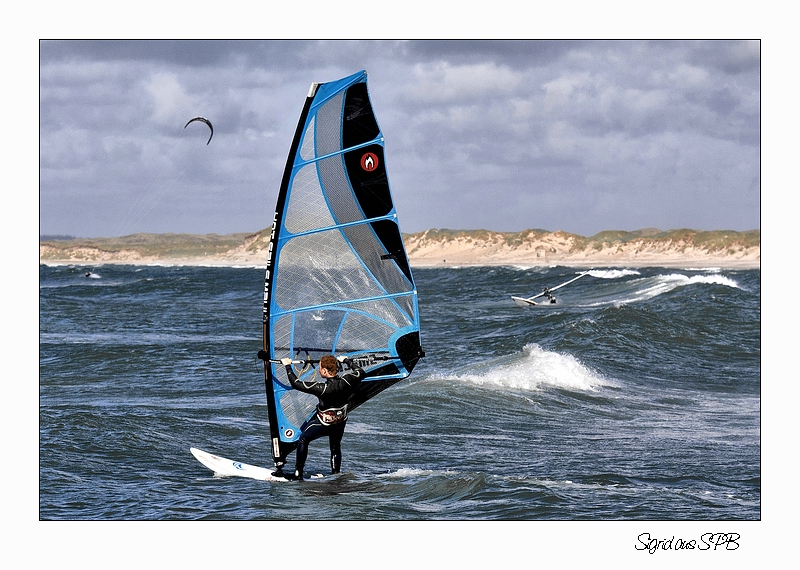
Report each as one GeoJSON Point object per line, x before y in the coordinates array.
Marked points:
{"type": "Point", "coordinates": [334, 394]}
{"type": "Point", "coordinates": [338, 279]}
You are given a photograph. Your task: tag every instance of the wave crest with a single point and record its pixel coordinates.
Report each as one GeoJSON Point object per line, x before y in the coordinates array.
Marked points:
{"type": "Point", "coordinates": [535, 369]}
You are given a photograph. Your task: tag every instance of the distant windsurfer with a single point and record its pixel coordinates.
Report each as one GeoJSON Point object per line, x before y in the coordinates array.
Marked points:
{"type": "Point", "coordinates": [331, 414]}
{"type": "Point", "coordinates": [549, 295]}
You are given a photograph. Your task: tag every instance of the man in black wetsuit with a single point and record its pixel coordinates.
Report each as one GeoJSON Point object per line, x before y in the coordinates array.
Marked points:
{"type": "Point", "coordinates": [331, 415]}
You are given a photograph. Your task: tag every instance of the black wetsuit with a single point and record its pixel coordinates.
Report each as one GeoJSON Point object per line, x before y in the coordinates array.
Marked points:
{"type": "Point", "coordinates": [331, 416]}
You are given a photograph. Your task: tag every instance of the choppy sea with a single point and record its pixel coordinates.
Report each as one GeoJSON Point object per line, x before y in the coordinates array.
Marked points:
{"type": "Point", "coordinates": [637, 397]}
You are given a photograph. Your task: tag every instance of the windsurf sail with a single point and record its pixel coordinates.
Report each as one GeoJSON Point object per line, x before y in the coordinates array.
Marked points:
{"type": "Point", "coordinates": [338, 279]}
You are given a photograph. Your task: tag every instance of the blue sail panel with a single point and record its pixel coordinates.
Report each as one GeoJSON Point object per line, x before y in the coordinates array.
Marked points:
{"type": "Point", "coordinates": [338, 279]}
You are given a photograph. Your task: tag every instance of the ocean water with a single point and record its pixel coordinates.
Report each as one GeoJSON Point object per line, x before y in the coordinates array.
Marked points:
{"type": "Point", "coordinates": [636, 398]}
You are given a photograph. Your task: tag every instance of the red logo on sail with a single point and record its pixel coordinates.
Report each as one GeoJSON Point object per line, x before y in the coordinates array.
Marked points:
{"type": "Point", "coordinates": [369, 161]}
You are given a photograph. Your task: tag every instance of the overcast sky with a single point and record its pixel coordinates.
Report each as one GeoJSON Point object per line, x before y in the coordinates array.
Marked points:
{"type": "Point", "coordinates": [580, 136]}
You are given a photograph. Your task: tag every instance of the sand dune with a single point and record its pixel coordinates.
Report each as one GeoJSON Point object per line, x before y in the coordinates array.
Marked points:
{"type": "Point", "coordinates": [438, 248]}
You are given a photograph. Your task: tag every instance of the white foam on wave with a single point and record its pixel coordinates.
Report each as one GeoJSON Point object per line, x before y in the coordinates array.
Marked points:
{"type": "Point", "coordinates": [612, 273]}
{"type": "Point", "coordinates": [408, 472]}
{"type": "Point", "coordinates": [534, 268]}
{"type": "Point", "coordinates": [649, 287]}
{"type": "Point", "coordinates": [714, 279]}
{"type": "Point", "coordinates": [665, 283]}
{"type": "Point", "coordinates": [535, 369]}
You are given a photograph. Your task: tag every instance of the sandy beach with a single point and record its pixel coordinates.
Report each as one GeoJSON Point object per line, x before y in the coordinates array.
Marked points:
{"type": "Point", "coordinates": [453, 256]}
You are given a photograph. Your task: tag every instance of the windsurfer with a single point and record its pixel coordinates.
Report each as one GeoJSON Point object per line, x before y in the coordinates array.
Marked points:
{"type": "Point", "coordinates": [331, 414]}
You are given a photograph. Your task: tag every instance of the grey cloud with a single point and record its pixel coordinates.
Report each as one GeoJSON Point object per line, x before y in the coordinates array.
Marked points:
{"type": "Point", "coordinates": [506, 135]}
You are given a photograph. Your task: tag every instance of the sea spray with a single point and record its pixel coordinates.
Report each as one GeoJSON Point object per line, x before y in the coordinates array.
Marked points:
{"type": "Point", "coordinates": [612, 273]}
{"type": "Point", "coordinates": [535, 369]}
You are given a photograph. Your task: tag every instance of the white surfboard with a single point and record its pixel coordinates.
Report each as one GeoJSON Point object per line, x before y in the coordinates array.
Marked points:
{"type": "Point", "coordinates": [227, 467]}
{"type": "Point", "coordinates": [523, 302]}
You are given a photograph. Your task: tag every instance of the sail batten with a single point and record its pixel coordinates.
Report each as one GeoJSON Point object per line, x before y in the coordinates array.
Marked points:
{"type": "Point", "coordinates": [338, 226]}
{"type": "Point", "coordinates": [313, 159]}
{"type": "Point", "coordinates": [338, 277]}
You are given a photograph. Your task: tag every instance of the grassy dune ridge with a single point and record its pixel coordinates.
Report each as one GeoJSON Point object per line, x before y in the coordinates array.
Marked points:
{"type": "Point", "coordinates": [649, 246]}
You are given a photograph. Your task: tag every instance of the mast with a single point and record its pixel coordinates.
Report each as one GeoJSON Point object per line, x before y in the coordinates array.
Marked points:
{"type": "Point", "coordinates": [279, 451]}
